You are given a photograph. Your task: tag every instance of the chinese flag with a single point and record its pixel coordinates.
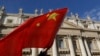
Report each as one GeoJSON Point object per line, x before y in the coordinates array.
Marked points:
{"type": "Point", "coordinates": [37, 32]}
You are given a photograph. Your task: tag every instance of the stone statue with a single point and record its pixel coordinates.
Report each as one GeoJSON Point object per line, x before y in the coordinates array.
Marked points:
{"type": "Point", "coordinates": [20, 10]}
{"type": "Point", "coordinates": [72, 16]}
{"type": "Point", "coordinates": [77, 16]}
{"type": "Point", "coordinates": [50, 10]}
{"type": "Point", "coordinates": [41, 11]}
{"type": "Point", "coordinates": [2, 8]}
{"type": "Point", "coordinates": [36, 11]}
{"type": "Point", "coordinates": [88, 17]}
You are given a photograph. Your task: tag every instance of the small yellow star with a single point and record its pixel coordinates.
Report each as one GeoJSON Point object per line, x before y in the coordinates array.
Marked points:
{"type": "Point", "coordinates": [52, 16]}
{"type": "Point", "coordinates": [38, 24]}
{"type": "Point", "coordinates": [48, 15]}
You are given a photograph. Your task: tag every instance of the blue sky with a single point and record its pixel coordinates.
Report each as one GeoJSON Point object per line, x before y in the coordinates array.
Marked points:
{"type": "Point", "coordinates": [82, 7]}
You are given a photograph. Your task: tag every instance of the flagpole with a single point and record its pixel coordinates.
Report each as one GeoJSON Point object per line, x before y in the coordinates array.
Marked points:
{"type": "Point", "coordinates": [34, 51]}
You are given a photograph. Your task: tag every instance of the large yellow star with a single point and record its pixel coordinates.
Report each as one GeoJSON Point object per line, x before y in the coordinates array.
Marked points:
{"type": "Point", "coordinates": [52, 16]}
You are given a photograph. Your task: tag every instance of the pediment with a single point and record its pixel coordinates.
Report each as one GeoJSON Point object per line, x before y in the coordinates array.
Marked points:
{"type": "Point", "coordinates": [67, 24]}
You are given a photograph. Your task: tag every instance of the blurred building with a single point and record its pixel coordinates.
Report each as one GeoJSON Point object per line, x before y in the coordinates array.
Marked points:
{"type": "Point", "coordinates": [76, 37]}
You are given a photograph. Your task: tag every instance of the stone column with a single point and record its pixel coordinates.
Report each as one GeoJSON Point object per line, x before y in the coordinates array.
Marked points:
{"type": "Point", "coordinates": [72, 52]}
{"type": "Point", "coordinates": [98, 42]}
{"type": "Point", "coordinates": [54, 48]}
{"type": "Point", "coordinates": [34, 52]}
{"type": "Point", "coordinates": [66, 45]}
{"type": "Point", "coordinates": [82, 46]}
{"type": "Point", "coordinates": [65, 42]}
{"type": "Point", "coordinates": [39, 50]}
{"type": "Point", "coordinates": [87, 48]}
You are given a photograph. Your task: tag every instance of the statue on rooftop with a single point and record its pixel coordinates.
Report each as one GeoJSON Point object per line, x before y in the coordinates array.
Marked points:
{"type": "Point", "coordinates": [36, 11]}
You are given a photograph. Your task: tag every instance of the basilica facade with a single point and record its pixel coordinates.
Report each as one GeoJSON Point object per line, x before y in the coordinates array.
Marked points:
{"type": "Point", "coordinates": [76, 36]}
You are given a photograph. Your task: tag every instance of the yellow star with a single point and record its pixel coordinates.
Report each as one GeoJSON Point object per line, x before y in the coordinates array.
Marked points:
{"type": "Point", "coordinates": [52, 16]}
{"type": "Point", "coordinates": [38, 24]}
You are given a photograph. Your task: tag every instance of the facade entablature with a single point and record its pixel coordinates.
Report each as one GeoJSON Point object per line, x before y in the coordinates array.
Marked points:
{"type": "Point", "coordinates": [78, 32]}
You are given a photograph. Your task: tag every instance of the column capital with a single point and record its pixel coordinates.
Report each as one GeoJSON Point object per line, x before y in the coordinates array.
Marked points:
{"type": "Point", "coordinates": [79, 36]}
{"type": "Point", "coordinates": [85, 38]}
{"type": "Point", "coordinates": [68, 35]}
{"type": "Point", "coordinates": [65, 37]}
{"type": "Point", "coordinates": [97, 38]}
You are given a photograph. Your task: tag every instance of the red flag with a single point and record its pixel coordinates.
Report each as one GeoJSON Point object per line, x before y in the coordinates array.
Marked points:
{"type": "Point", "coordinates": [38, 32]}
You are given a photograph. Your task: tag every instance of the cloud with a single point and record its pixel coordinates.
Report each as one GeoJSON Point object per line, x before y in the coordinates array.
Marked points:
{"type": "Point", "coordinates": [93, 13]}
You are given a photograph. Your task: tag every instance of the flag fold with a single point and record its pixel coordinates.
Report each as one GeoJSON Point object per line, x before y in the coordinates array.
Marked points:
{"type": "Point", "coordinates": [37, 32]}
